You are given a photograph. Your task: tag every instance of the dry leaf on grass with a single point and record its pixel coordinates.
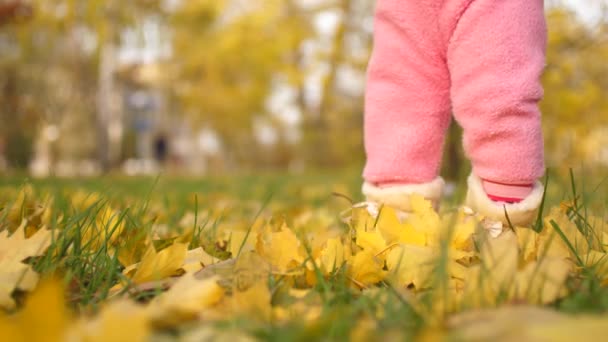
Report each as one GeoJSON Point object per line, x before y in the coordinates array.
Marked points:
{"type": "Point", "coordinates": [282, 249]}
{"type": "Point", "coordinates": [525, 323]}
{"type": "Point", "coordinates": [43, 318]}
{"type": "Point", "coordinates": [394, 231]}
{"type": "Point", "coordinates": [107, 228]}
{"type": "Point", "coordinates": [121, 320]}
{"type": "Point", "coordinates": [196, 259]}
{"type": "Point", "coordinates": [187, 298]}
{"type": "Point", "coordinates": [14, 249]}
{"type": "Point", "coordinates": [158, 265]}
{"type": "Point", "coordinates": [419, 266]}
{"type": "Point", "coordinates": [253, 302]}
{"type": "Point", "coordinates": [505, 274]}
{"type": "Point", "coordinates": [412, 265]}
{"type": "Point", "coordinates": [370, 241]}
{"type": "Point", "coordinates": [364, 269]}
{"type": "Point", "coordinates": [274, 269]}
{"type": "Point", "coordinates": [332, 256]}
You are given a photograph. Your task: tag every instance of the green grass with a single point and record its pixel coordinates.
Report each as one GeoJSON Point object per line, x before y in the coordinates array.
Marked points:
{"type": "Point", "coordinates": [89, 273]}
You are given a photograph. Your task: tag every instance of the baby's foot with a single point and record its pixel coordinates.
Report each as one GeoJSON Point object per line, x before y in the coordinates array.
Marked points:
{"type": "Point", "coordinates": [397, 195]}
{"type": "Point", "coordinates": [504, 206]}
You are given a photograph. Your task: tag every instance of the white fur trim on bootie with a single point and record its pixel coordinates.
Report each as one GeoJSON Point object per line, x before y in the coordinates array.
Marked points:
{"type": "Point", "coordinates": [520, 214]}
{"type": "Point", "coordinates": [398, 196]}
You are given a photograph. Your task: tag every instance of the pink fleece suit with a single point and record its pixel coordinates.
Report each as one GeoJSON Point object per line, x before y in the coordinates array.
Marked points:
{"type": "Point", "coordinates": [478, 59]}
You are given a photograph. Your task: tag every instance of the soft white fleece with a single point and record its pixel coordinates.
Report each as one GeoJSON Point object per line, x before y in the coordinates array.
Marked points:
{"type": "Point", "coordinates": [520, 214]}
{"type": "Point", "coordinates": [398, 196]}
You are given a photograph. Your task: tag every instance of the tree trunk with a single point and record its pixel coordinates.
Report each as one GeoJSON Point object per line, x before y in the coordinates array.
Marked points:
{"type": "Point", "coordinates": [318, 123]}
{"type": "Point", "coordinates": [109, 113]}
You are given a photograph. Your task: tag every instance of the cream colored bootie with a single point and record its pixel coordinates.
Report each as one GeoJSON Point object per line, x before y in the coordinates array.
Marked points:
{"type": "Point", "coordinates": [521, 214]}
{"type": "Point", "coordinates": [398, 196]}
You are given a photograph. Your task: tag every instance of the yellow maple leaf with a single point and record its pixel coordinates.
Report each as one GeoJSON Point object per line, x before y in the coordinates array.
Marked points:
{"type": "Point", "coordinates": [22, 207]}
{"type": "Point", "coordinates": [500, 256]}
{"type": "Point", "coordinates": [317, 240]}
{"type": "Point", "coordinates": [361, 220]}
{"type": "Point", "coordinates": [158, 265]}
{"type": "Point", "coordinates": [542, 282]}
{"type": "Point", "coordinates": [27, 207]}
{"type": "Point", "coordinates": [121, 320]}
{"type": "Point", "coordinates": [282, 249]}
{"type": "Point", "coordinates": [419, 265]}
{"type": "Point", "coordinates": [460, 229]}
{"type": "Point", "coordinates": [185, 300]}
{"type": "Point", "coordinates": [105, 230]}
{"type": "Point", "coordinates": [196, 259]}
{"type": "Point", "coordinates": [239, 244]}
{"type": "Point", "coordinates": [365, 269]}
{"type": "Point", "coordinates": [300, 310]}
{"type": "Point", "coordinates": [393, 231]}
{"type": "Point", "coordinates": [424, 219]}
{"type": "Point", "coordinates": [422, 206]}
{"type": "Point", "coordinates": [13, 250]}
{"type": "Point", "coordinates": [370, 241]}
{"type": "Point", "coordinates": [248, 269]}
{"type": "Point", "coordinates": [332, 256]}
{"type": "Point", "coordinates": [527, 241]}
{"type": "Point", "coordinates": [412, 264]}
{"type": "Point", "coordinates": [253, 302]}
{"type": "Point", "coordinates": [551, 243]}
{"type": "Point", "coordinates": [493, 278]}
{"type": "Point", "coordinates": [506, 274]}
{"type": "Point", "coordinates": [43, 318]}
{"type": "Point", "coordinates": [131, 249]}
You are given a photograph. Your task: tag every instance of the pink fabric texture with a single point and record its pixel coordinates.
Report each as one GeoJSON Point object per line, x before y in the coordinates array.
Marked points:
{"type": "Point", "coordinates": [510, 193]}
{"type": "Point", "coordinates": [478, 59]}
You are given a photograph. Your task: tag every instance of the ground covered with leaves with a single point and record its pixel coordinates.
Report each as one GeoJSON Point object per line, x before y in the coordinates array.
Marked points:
{"type": "Point", "coordinates": [291, 258]}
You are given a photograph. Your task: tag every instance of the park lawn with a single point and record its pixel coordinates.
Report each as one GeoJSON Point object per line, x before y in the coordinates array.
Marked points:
{"type": "Point", "coordinates": [284, 257]}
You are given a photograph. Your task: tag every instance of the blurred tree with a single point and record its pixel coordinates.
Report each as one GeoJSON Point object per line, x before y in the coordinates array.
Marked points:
{"type": "Point", "coordinates": [227, 56]}
{"type": "Point", "coordinates": [111, 17]}
{"type": "Point", "coordinates": [60, 69]}
{"type": "Point", "coordinates": [335, 125]}
{"type": "Point", "coordinates": [232, 55]}
{"type": "Point", "coordinates": [575, 106]}
{"type": "Point", "coordinates": [16, 142]}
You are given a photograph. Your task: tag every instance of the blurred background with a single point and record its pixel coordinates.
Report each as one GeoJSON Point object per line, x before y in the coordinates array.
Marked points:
{"type": "Point", "coordinates": [214, 86]}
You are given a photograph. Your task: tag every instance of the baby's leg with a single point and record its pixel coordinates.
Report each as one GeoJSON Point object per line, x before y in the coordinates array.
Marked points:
{"type": "Point", "coordinates": [407, 108]}
{"type": "Point", "coordinates": [496, 56]}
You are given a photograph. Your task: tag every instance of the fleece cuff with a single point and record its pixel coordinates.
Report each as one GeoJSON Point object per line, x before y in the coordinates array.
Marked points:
{"type": "Point", "coordinates": [520, 214]}
{"type": "Point", "coordinates": [398, 196]}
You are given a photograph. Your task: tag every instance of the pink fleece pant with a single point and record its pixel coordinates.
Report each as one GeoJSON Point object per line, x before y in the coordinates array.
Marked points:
{"type": "Point", "coordinates": [478, 59]}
